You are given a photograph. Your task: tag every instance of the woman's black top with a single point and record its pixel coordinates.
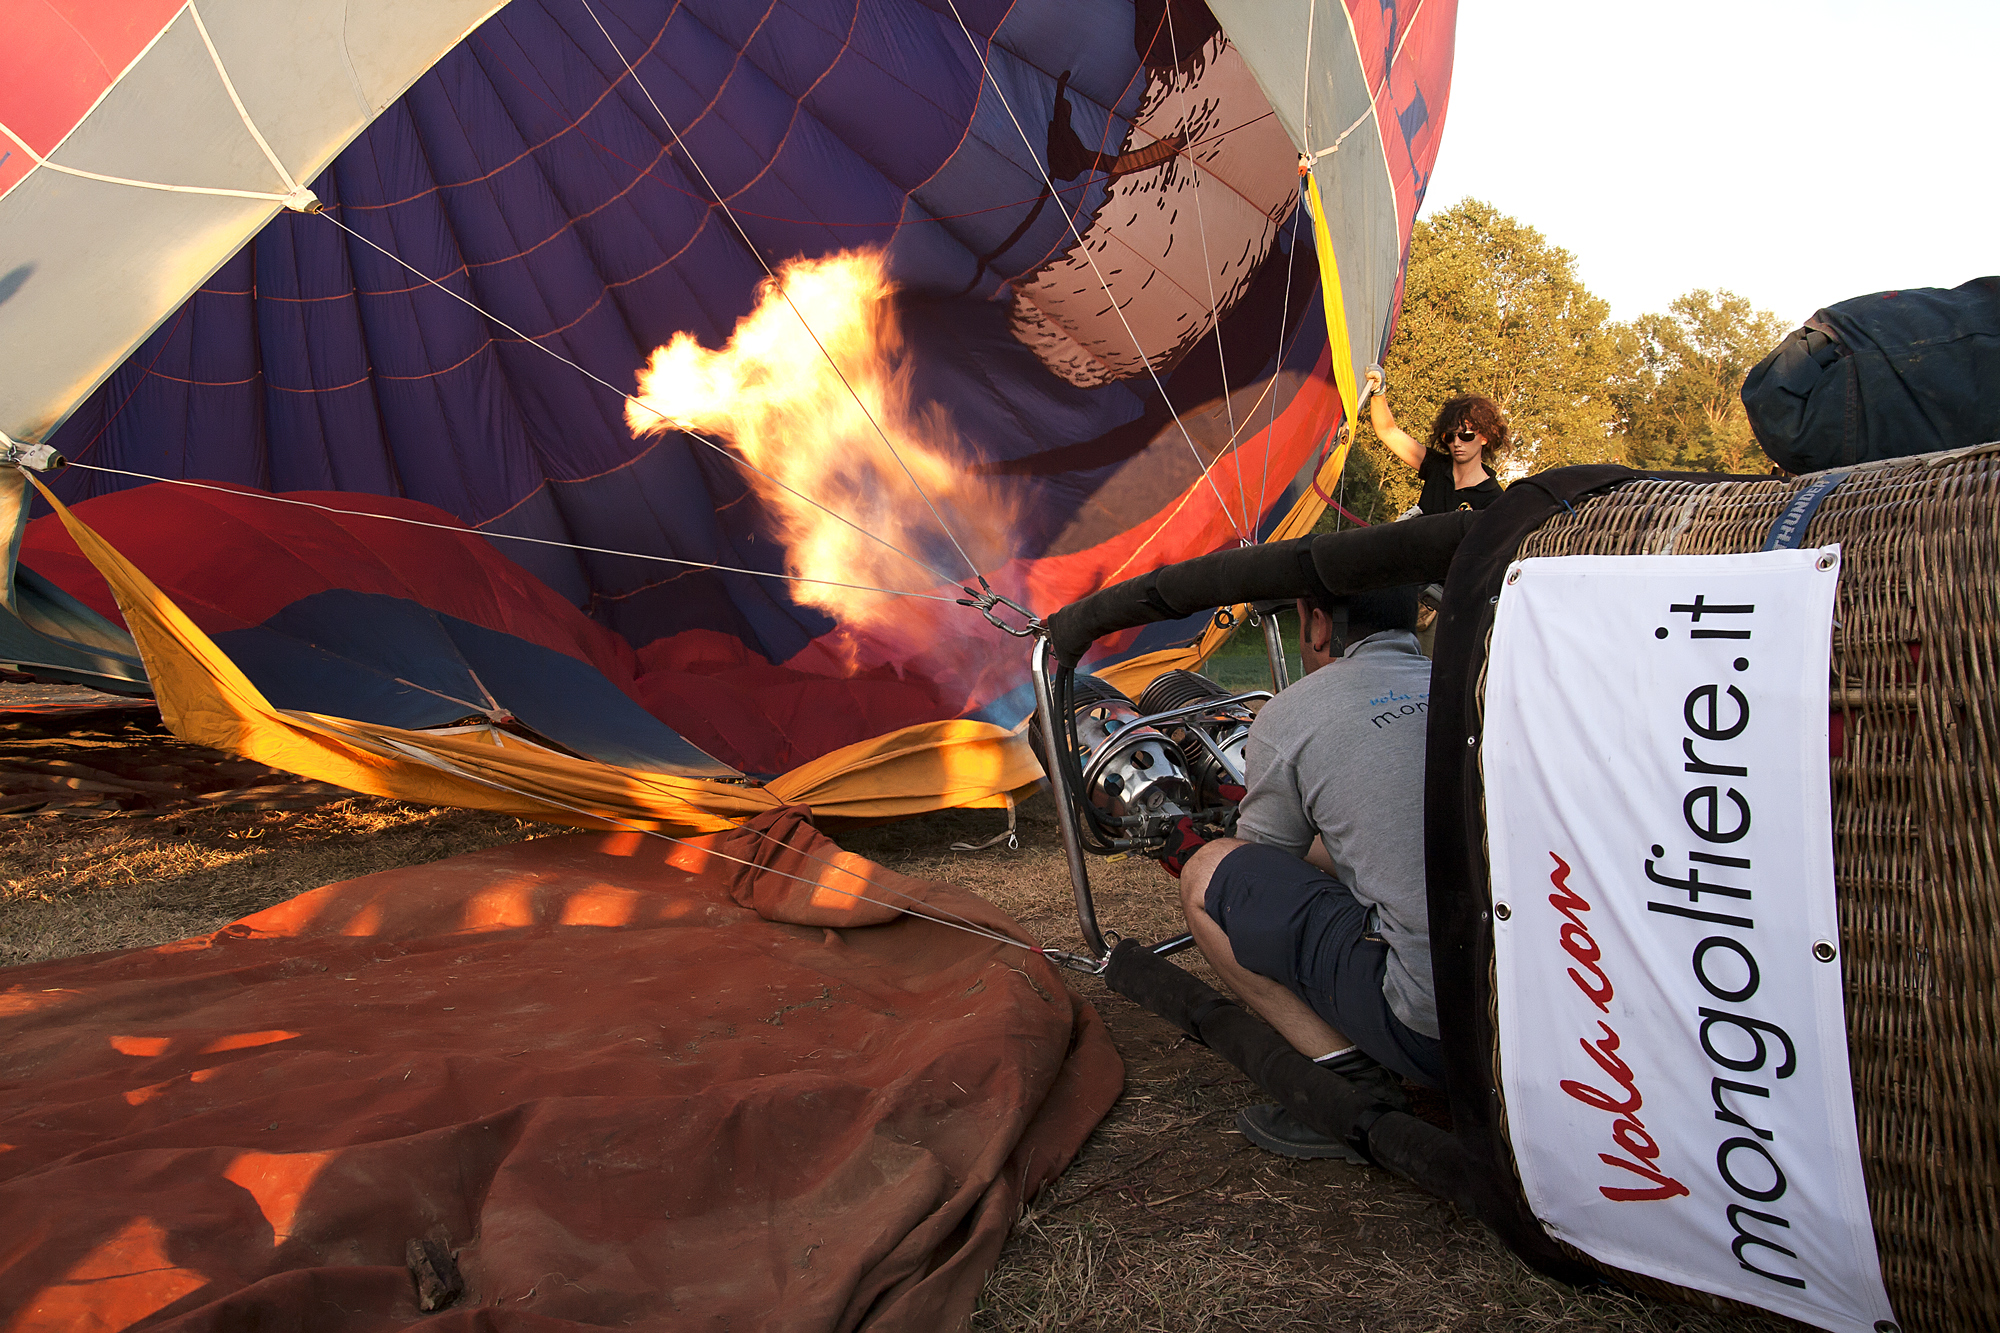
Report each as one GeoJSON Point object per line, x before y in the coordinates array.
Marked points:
{"type": "Point", "coordinates": [1440, 497]}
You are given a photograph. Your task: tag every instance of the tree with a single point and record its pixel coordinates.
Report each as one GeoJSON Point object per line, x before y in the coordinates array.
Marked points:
{"type": "Point", "coordinates": [1683, 396]}
{"type": "Point", "coordinates": [1490, 307]}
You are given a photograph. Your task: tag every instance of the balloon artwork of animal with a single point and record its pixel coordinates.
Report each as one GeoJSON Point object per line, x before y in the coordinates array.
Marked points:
{"type": "Point", "coordinates": [690, 421]}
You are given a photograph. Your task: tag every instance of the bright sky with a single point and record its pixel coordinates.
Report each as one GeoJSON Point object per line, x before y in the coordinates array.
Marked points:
{"type": "Point", "coordinates": [1796, 152]}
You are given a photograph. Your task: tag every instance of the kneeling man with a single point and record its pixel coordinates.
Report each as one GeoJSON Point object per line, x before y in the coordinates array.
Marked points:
{"type": "Point", "coordinates": [1316, 915]}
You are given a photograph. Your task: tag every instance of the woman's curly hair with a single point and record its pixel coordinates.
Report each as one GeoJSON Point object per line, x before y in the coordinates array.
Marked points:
{"type": "Point", "coordinates": [1481, 414]}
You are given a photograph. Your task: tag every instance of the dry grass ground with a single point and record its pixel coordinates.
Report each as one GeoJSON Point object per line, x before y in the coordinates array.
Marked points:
{"type": "Point", "coordinates": [91, 870]}
{"type": "Point", "coordinates": [1168, 1221]}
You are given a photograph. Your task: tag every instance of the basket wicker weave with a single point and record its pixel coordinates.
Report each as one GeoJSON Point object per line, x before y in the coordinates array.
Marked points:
{"type": "Point", "coordinates": [1916, 825]}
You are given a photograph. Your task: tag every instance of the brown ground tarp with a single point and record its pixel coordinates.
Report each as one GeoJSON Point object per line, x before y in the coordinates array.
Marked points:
{"type": "Point", "coordinates": [584, 1062]}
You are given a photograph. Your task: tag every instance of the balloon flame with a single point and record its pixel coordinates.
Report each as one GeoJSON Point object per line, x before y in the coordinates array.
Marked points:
{"type": "Point", "coordinates": [810, 386]}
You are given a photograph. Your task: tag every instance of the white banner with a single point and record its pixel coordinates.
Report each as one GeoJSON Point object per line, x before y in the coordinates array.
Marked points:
{"type": "Point", "coordinates": [1672, 1046]}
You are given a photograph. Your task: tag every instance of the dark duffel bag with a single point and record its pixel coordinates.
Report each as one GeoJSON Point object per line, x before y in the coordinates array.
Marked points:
{"type": "Point", "coordinates": [1882, 376]}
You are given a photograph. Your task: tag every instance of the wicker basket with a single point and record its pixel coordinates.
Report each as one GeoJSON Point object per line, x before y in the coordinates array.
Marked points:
{"type": "Point", "coordinates": [1916, 823]}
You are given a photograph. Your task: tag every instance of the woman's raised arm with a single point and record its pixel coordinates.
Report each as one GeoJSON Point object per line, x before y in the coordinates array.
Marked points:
{"type": "Point", "coordinates": [1401, 443]}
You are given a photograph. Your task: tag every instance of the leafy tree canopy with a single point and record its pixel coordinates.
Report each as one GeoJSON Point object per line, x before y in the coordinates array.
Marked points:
{"type": "Point", "coordinates": [1682, 397]}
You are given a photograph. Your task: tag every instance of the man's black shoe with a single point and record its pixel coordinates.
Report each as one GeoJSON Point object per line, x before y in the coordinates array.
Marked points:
{"type": "Point", "coordinates": [1370, 1076]}
{"type": "Point", "coordinates": [1277, 1130]}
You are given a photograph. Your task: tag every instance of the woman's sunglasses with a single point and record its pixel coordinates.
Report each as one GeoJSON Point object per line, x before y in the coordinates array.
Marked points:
{"type": "Point", "coordinates": [1465, 436]}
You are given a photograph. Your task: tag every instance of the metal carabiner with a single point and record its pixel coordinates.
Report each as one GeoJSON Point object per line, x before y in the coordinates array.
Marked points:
{"type": "Point", "coordinates": [30, 457]}
{"type": "Point", "coordinates": [984, 602]}
{"type": "Point", "coordinates": [1076, 962]}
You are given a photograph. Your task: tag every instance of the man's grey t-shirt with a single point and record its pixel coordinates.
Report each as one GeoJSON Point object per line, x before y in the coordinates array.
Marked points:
{"type": "Point", "coordinates": [1340, 754]}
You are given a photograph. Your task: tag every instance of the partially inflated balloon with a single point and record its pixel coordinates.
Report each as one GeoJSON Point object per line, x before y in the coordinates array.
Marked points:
{"type": "Point", "coordinates": [927, 291]}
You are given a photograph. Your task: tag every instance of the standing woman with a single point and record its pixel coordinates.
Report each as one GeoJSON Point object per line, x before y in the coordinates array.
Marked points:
{"type": "Point", "coordinates": [1456, 470]}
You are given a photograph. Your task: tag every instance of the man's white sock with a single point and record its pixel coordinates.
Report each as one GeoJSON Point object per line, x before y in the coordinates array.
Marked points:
{"type": "Point", "coordinates": [1332, 1055]}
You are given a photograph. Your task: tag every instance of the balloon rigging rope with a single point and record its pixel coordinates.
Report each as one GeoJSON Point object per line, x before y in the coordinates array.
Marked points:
{"type": "Point", "coordinates": [948, 918]}
{"type": "Point", "coordinates": [1207, 469]}
{"type": "Point", "coordinates": [744, 236]}
{"type": "Point", "coordinates": [735, 458]}
{"type": "Point", "coordinates": [503, 536]}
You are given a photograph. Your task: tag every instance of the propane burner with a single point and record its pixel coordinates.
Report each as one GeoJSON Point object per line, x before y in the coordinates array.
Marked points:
{"type": "Point", "coordinates": [1143, 767]}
